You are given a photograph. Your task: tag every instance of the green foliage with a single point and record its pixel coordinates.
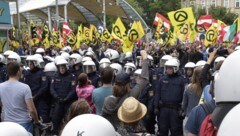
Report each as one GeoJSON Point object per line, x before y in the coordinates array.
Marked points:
{"type": "Point", "coordinates": [136, 6]}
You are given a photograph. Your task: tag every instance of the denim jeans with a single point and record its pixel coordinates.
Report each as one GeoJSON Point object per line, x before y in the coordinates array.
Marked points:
{"type": "Point", "coordinates": [28, 126]}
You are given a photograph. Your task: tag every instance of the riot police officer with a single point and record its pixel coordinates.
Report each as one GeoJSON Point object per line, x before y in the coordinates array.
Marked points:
{"type": "Point", "coordinates": [89, 68]}
{"type": "Point", "coordinates": [76, 65]}
{"type": "Point", "coordinates": [63, 91]}
{"type": "Point", "coordinates": [168, 99]}
{"type": "Point", "coordinates": [37, 81]}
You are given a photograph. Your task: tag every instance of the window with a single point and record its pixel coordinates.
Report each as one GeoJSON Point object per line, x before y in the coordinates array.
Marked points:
{"type": "Point", "coordinates": [203, 3]}
{"type": "Point", "coordinates": [237, 3]}
{"type": "Point", "coordinates": [214, 3]}
{"type": "Point", "coordinates": [226, 3]}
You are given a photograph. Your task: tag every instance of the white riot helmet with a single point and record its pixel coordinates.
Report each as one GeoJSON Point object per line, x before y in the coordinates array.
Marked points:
{"type": "Point", "coordinates": [172, 63]}
{"type": "Point", "coordinates": [75, 59]}
{"type": "Point", "coordinates": [35, 60]}
{"type": "Point", "coordinates": [50, 67]}
{"type": "Point", "coordinates": [200, 63]}
{"type": "Point", "coordinates": [2, 59]}
{"type": "Point", "coordinates": [61, 62]}
{"type": "Point", "coordinates": [67, 49]}
{"type": "Point", "coordinates": [113, 55]}
{"type": "Point", "coordinates": [49, 58]}
{"type": "Point", "coordinates": [38, 56]}
{"type": "Point", "coordinates": [90, 54]}
{"type": "Point", "coordinates": [89, 125]}
{"type": "Point", "coordinates": [57, 58]}
{"type": "Point", "coordinates": [104, 62]}
{"type": "Point", "coordinates": [65, 56]}
{"type": "Point", "coordinates": [40, 50]}
{"type": "Point", "coordinates": [227, 83]}
{"type": "Point", "coordinates": [14, 57]}
{"type": "Point", "coordinates": [164, 59]}
{"type": "Point", "coordinates": [138, 72]}
{"type": "Point", "coordinates": [218, 59]}
{"type": "Point", "coordinates": [150, 58]}
{"type": "Point", "coordinates": [7, 53]}
{"type": "Point", "coordinates": [230, 123]}
{"type": "Point", "coordinates": [128, 57]}
{"type": "Point", "coordinates": [129, 68]}
{"type": "Point", "coordinates": [190, 65]}
{"type": "Point", "coordinates": [12, 129]}
{"type": "Point", "coordinates": [86, 59]}
{"type": "Point", "coordinates": [89, 67]}
{"type": "Point", "coordinates": [117, 68]}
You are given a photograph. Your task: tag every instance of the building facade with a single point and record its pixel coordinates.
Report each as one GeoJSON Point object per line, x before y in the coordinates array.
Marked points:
{"type": "Point", "coordinates": [233, 5]}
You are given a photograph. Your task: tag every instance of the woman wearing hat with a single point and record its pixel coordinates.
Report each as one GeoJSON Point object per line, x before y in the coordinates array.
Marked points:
{"type": "Point", "coordinates": [122, 90]}
{"type": "Point", "coordinates": [131, 113]}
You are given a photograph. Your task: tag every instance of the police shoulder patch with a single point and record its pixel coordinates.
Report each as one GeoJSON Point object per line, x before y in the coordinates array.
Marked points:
{"type": "Point", "coordinates": [44, 78]}
{"type": "Point", "coordinates": [73, 83]}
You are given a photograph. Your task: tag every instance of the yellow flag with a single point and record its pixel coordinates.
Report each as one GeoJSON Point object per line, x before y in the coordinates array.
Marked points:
{"type": "Point", "coordinates": [127, 45]}
{"type": "Point", "coordinates": [118, 29]}
{"type": "Point", "coordinates": [56, 39]}
{"type": "Point", "coordinates": [210, 36]}
{"type": "Point", "coordinates": [106, 36]}
{"type": "Point", "coordinates": [159, 26]}
{"type": "Point", "coordinates": [179, 17]}
{"type": "Point", "coordinates": [46, 43]}
{"type": "Point", "coordinates": [184, 32]}
{"type": "Point", "coordinates": [237, 21]}
{"type": "Point", "coordinates": [193, 33]}
{"type": "Point", "coordinates": [79, 37]}
{"type": "Point", "coordinates": [140, 27]}
{"type": "Point", "coordinates": [86, 33]}
{"type": "Point", "coordinates": [136, 32]}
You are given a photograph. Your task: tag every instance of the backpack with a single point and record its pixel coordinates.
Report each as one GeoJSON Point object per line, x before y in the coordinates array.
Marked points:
{"type": "Point", "coordinates": [207, 127]}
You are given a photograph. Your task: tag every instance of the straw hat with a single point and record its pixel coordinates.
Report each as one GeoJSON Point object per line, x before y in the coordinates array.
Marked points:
{"type": "Point", "coordinates": [131, 110]}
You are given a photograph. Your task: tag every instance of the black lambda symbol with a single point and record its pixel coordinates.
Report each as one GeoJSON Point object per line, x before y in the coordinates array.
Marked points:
{"type": "Point", "coordinates": [210, 35]}
{"type": "Point", "coordinates": [133, 35]}
{"type": "Point", "coordinates": [106, 35]}
{"type": "Point", "coordinates": [80, 133]}
{"type": "Point", "coordinates": [180, 16]}
{"type": "Point", "coordinates": [117, 32]}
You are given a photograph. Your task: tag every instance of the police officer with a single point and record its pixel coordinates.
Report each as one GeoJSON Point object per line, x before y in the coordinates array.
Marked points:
{"type": "Point", "coordinates": [76, 64]}
{"type": "Point", "coordinates": [168, 99]}
{"type": "Point", "coordinates": [37, 81]}
{"type": "Point", "coordinates": [89, 68]}
{"type": "Point", "coordinates": [3, 69]}
{"type": "Point", "coordinates": [63, 90]}
{"type": "Point", "coordinates": [189, 68]}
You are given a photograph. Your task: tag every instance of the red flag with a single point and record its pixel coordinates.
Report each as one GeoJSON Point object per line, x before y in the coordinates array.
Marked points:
{"type": "Point", "coordinates": [39, 33]}
{"type": "Point", "coordinates": [205, 21]}
{"type": "Point", "coordinates": [166, 23]}
{"type": "Point", "coordinates": [236, 39]}
{"type": "Point", "coordinates": [66, 28]}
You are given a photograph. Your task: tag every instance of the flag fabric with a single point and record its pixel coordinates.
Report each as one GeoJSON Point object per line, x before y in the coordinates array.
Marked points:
{"type": "Point", "coordinates": [66, 28]}
{"type": "Point", "coordinates": [79, 36]}
{"type": "Point", "coordinates": [184, 32]}
{"type": "Point", "coordinates": [236, 39]}
{"type": "Point", "coordinates": [136, 32]}
{"type": "Point", "coordinates": [127, 45]}
{"type": "Point", "coordinates": [118, 29]}
{"type": "Point", "coordinates": [181, 16]}
{"type": "Point", "coordinates": [33, 29]}
{"type": "Point", "coordinates": [39, 33]}
{"type": "Point", "coordinates": [106, 36]}
{"type": "Point", "coordinates": [230, 32]}
{"type": "Point", "coordinates": [221, 32]}
{"type": "Point", "coordinates": [166, 23]}
{"type": "Point", "coordinates": [205, 21]}
{"type": "Point", "coordinates": [210, 36]}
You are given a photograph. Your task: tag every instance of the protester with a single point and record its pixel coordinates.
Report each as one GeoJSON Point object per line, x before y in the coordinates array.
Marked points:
{"type": "Point", "coordinates": [84, 90]}
{"type": "Point", "coordinates": [101, 93]}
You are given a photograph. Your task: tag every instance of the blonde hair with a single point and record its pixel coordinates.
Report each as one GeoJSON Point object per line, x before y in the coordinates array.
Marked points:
{"type": "Point", "coordinates": [195, 85]}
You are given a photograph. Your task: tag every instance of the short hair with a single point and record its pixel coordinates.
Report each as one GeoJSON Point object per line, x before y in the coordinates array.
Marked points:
{"type": "Point", "coordinates": [82, 79]}
{"type": "Point", "coordinates": [12, 69]}
{"type": "Point", "coordinates": [107, 75]}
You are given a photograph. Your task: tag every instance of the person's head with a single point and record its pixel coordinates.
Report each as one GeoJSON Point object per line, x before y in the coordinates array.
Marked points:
{"type": "Point", "coordinates": [107, 75]}
{"type": "Point", "coordinates": [89, 67]}
{"type": "Point", "coordinates": [78, 107]}
{"type": "Point", "coordinates": [131, 111]}
{"type": "Point", "coordinates": [62, 66]}
{"type": "Point", "coordinates": [171, 66]}
{"type": "Point", "coordinates": [82, 79]}
{"type": "Point", "coordinates": [121, 86]}
{"type": "Point", "coordinates": [189, 67]}
{"type": "Point", "coordinates": [13, 69]}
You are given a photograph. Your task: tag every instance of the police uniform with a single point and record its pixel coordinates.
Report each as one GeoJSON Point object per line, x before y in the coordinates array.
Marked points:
{"type": "Point", "coordinates": [37, 81]}
{"type": "Point", "coordinates": [167, 102]}
{"type": "Point", "coordinates": [63, 89]}
{"type": "Point", "coordinates": [95, 79]}
{"type": "Point", "coordinates": [3, 73]}
{"type": "Point", "coordinates": [76, 72]}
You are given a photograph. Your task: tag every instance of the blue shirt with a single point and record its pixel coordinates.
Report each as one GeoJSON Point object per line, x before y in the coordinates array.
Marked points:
{"type": "Point", "coordinates": [98, 97]}
{"type": "Point", "coordinates": [196, 117]}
